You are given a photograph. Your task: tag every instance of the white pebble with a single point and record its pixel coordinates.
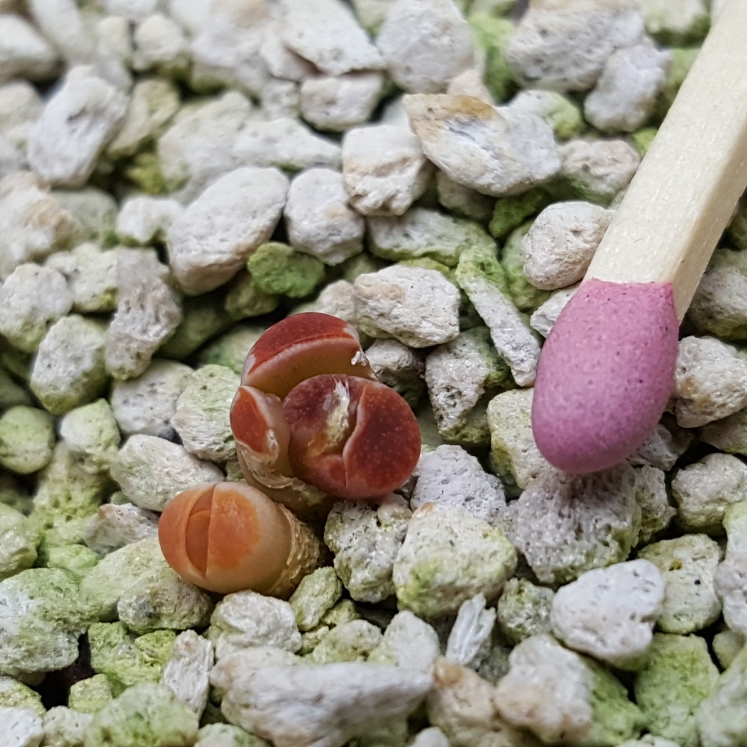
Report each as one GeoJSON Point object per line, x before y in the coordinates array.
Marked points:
{"type": "Point", "coordinates": [160, 44]}
{"type": "Point", "coordinates": [678, 21]}
{"type": "Point", "coordinates": [209, 242]}
{"type": "Point", "coordinates": [337, 103]}
{"type": "Point", "coordinates": [365, 540]}
{"type": "Point", "coordinates": [688, 564]}
{"type": "Point", "coordinates": [469, 639]}
{"type": "Point", "coordinates": [596, 170]}
{"type": "Point", "coordinates": [417, 306]}
{"type": "Point", "coordinates": [710, 381]}
{"type": "Point", "coordinates": [317, 705]}
{"type": "Point", "coordinates": [470, 83]}
{"type": "Point", "coordinates": [226, 47]}
{"type": "Point", "coordinates": [201, 417]}
{"type": "Point", "coordinates": [91, 436]}
{"type": "Point", "coordinates": [514, 452]}
{"type": "Point", "coordinates": [281, 99]}
{"type": "Point", "coordinates": [64, 726]}
{"type": "Point", "coordinates": [384, 169]}
{"type": "Point", "coordinates": [565, 525]}
{"type": "Point", "coordinates": [33, 223]}
{"type": "Point", "coordinates": [69, 366]}
{"type": "Point", "coordinates": [431, 737]}
{"type": "Point", "coordinates": [511, 335]}
{"type": "Point", "coordinates": [328, 35]}
{"type": "Point", "coordinates": [280, 60]}
{"type": "Point", "coordinates": [545, 316]}
{"type": "Point", "coordinates": [285, 143]}
{"type": "Point", "coordinates": [143, 219]}
{"type": "Point", "coordinates": [63, 25]}
{"type": "Point", "coordinates": [24, 52]}
{"type": "Point", "coordinates": [704, 490]}
{"type": "Point", "coordinates": [337, 299]}
{"type": "Point", "coordinates": [561, 243]}
{"type": "Point", "coordinates": [547, 690]}
{"type": "Point", "coordinates": [610, 613]}
{"type": "Point", "coordinates": [319, 218]}
{"type": "Point", "coordinates": [187, 671]}
{"type": "Point", "coordinates": [662, 448]}
{"type": "Point", "coordinates": [20, 107]}
{"type": "Point", "coordinates": [435, 570]}
{"type": "Point", "coordinates": [452, 476]}
{"type": "Point", "coordinates": [497, 151]}
{"type": "Point", "coordinates": [154, 101]}
{"type": "Point", "coordinates": [730, 579]}
{"type": "Point", "coordinates": [31, 299]}
{"type": "Point", "coordinates": [147, 313]}
{"type": "Point", "coordinates": [626, 92]}
{"type": "Point", "coordinates": [77, 123]}
{"type": "Point", "coordinates": [246, 619]}
{"type": "Point", "coordinates": [21, 727]}
{"type": "Point", "coordinates": [197, 146]}
{"type": "Point", "coordinates": [425, 43]}
{"type": "Point", "coordinates": [116, 525]}
{"type": "Point", "coordinates": [408, 642]}
{"type": "Point", "coordinates": [399, 367]}
{"type": "Point", "coordinates": [91, 275]}
{"type": "Point", "coordinates": [151, 471]}
{"type": "Point", "coordinates": [563, 46]}
{"type": "Point", "coordinates": [147, 403]}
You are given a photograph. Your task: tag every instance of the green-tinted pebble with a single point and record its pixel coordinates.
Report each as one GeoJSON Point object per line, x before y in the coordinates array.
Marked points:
{"type": "Point", "coordinates": [678, 676]}
{"type": "Point", "coordinates": [524, 294]}
{"type": "Point", "coordinates": [147, 715]}
{"type": "Point", "coordinates": [642, 139]}
{"type": "Point", "coordinates": [278, 269]}
{"type": "Point", "coordinates": [245, 299]}
{"type": "Point", "coordinates": [511, 212]}
{"type": "Point", "coordinates": [492, 35]}
{"type": "Point", "coordinates": [145, 172]}
{"type": "Point", "coordinates": [203, 318]}
{"type": "Point", "coordinates": [76, 559]}
{"type": "Point", "coordinates": [91, 694]}
{"type": "Point", "coordinates": [127, 659]}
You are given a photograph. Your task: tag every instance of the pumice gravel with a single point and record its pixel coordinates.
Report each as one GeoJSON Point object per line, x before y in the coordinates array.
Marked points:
{"type": "Point", "coordinates": [178, 175]}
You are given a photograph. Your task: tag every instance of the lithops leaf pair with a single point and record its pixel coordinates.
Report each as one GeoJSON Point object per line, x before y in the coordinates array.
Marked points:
{"type": "Point", "coordinates": [230, 536]}
{"type": "Point", "coordinates": [310, 414]}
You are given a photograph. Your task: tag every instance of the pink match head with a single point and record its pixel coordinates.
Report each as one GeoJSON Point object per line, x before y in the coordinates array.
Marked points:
{"type": "Point", "coordinates": [605, 374]}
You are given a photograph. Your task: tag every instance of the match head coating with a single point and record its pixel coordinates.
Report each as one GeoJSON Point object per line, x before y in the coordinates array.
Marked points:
{"type": "Point", "coordinates": [605, 374]}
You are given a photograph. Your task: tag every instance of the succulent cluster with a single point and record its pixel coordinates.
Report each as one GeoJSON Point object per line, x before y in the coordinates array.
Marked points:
{"type": "Point", "coordinates": [311, 421]}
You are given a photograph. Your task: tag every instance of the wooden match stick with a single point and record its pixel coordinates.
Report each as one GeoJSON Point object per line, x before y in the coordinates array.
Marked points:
{"type": "Point", "coordinates": [606, 369]}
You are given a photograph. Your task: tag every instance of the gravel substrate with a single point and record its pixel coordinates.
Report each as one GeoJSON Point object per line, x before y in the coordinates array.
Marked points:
{"type": "Point", "coordinates": [178, 175]}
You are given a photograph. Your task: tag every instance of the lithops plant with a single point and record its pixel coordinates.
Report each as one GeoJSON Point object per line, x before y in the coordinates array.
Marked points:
{"type": "Point", "coordinates": [230, 536]}
{"type": "Point", "coordinates": [312, 423]}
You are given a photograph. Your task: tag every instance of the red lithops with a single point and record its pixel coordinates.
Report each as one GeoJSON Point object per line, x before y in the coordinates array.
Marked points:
{"type": "Point", "coordinates": [230, 536]}
{"type": "Point", "coordinates": [259, 427]}
{"type": "Point", "coordinates": [302, 346]}
{"type": "Point", "coordinates": [310, 412]}
{"type": "Point", "coordinates": [351, 437]}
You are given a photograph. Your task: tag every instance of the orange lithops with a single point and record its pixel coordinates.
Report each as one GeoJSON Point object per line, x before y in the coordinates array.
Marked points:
{"type": "Point", "coordinates": [302, 346]}
{"type": "Point", "coordinates": [230, 536]}
{"type": "Point", "coordinates": [351, 437]}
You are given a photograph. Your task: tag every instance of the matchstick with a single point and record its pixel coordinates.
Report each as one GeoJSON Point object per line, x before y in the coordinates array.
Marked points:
{"type": "Point", "coordinates": [606, 369]}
